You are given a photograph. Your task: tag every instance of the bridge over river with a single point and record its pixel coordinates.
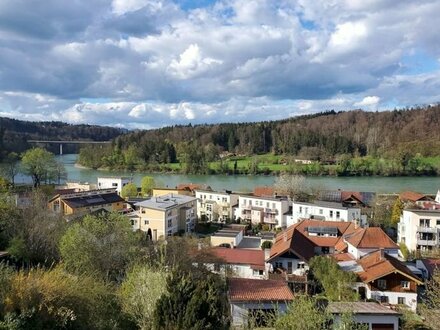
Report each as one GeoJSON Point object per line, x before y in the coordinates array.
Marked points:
{"type": "Point", "coordinates": [61, 142]}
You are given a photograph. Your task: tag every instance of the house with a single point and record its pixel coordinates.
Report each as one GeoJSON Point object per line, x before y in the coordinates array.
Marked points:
{"type": "Point", "coordinates": [215, 206]}
{"type": "Point", "coordinates": [295, 246]}
{"type": "Point", "coordinates": [411, 197]}
{"type": "Point", "coordinates": [328, 211]}
{"type": "Point", "coordinates": [376, 316]}
{"type": "Point", "coordinates": [384, 278]}
{"type": "Point", "coordinates": [251, 300]}
{"type": "Point", "coordinates": [263, 210]}
{"type": "Point", "coordinates": [419, 229]}
{"type": "Point", "coordinates": [192, 187]}
{"type": "Point", "coordinates": [166, 215]}
{"type": "Point", "coordinates": [366, 240]}
{"type": "Point", "coordinates": [113, 183]}
{"type": "Point", "coordinates": [242, 263]}
{"type": "Point", "coordinates": [78, 186]}
{"type": "Point", "coordinates": [348, 198]}
{"type": "Point", "coordinates": [85, 202]}
{"type": "Point", "coordinates": [227, 237]}
{"type": "Point", "coordinates": [428, 266]}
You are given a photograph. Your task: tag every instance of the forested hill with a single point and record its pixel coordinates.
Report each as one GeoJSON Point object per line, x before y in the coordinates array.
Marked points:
{"type": "Point", "coordinates": [15, 133]}
{"type": "Point", "coordinates": [321, 136]}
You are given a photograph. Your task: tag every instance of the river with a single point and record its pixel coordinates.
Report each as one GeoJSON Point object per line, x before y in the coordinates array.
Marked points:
{"type": "Point", "coordinates": [244, 183]}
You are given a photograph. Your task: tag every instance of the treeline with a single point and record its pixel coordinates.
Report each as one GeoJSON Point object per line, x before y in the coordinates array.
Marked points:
{"type": "Point", "coordinates": [14, 134]}
{"type": "Point", "coordinates": [388, 140]}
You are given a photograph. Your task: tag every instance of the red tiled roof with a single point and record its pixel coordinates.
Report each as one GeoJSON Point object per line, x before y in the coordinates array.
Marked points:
{"type": "Point", "coordinates": [431, 264]}
{"type": "Point", "coordinates": [254, 258]}
{"type": "Point", "coordinates": [378, 264]}
{"type": "Point", "coordinates": [342, 257]}
{"type": "Point", "coordinates": [264, 191]}
{"type": "Point", "coordinates": [371, 238]}
{"type": "Point", "coordinates": [296, 238]}
{"type": "Point", "coordinates": [244, 290]}
{"type": "Point", "coordinates": [411, 196]}
{"type": "Point", "coordinates": [345, 195]}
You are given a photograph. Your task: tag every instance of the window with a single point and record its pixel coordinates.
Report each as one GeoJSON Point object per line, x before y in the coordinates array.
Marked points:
{"type": "Point", "coordinates": [278, 264]}
{"type": "Point", "coordinates": [300, 209]}
{"type": "Point", "coordinates": [273, 205]}
{"type": "Point", "coordinates": [321, 211]}
{"type": "Point", "coordinates": [146, 222]}
{"type": "Point", "coordinates": [438, 222]}
{"type": "Point", "coordinates": [331, 214]}
{"type": "Point", "coordinates": [257, 272]}
{"type": "Point", "coordinates": [114, 184]}
{"type": "Point", "coordinates": [338, 214]}
{"type": "Point", "coordinates": [405, 284]}
{"type": "Point", "coordinates": [401, 300]}
{"type": "Point", "coordinates": [132, 222]}
{"type": "Point", "coordinates": [384, 299]}
{"type": "Point", "coordinates": [424, 222]}
{"type": "Point", "coordinates": [169, 213]}
{"type": "Point", "coordinates": [300, 265]}
{"type": "Point", "coordinates": [216, 267]}
{"type": "Point", "coordinates": [382, 284]}
{"type": "Point", "coordinates": [169, 233]}
{"type": "Point", "coordinates": [143, 210]}
{"type": "Point", "coordinates": [170, 223]}
{"type": "Point", "coordinates": [267, 204]}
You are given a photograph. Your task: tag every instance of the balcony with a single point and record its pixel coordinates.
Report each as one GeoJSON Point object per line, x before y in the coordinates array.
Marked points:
{"type": "Point", "coordinates": [427, 229]}
{"type": "Point", "coordinates": [427, 242]}
{"type": "Point", "coordinates": [270, 220]}
{"type": "Point", "coordinates": [271, 211]}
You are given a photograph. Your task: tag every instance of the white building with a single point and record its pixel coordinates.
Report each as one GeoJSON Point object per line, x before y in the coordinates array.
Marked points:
{"type": "Point", "coordinates": [437, 197]}
{"type": "Point", "coordinates": [113, 182]}
{"type": "Point", "coordinates": [419, 229]}
{"type": "Point", "coordinates": [216, 206]}
{"type": "Point", "coordinates": [264, 210]}
{"type": "Point", "coordinates": [328, 211]}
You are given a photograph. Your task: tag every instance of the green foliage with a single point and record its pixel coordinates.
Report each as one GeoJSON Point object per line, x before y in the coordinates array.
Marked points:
{"type": "Point", "coordinates": [102, 245]}
{"type": "Point", "coordinates": [54, 299]}
{"type": "Point", "coordinates": [430, 309]}
{"type": "Point", "coordinates": [193, 303]}
{"type": "Point", "coordinates": [139, 293]}
{"type": "Point", "coordinates": [39, 164]}
{"type": "Point", "coordinates": [147, 185]}
{"type": "Point", "coordinates": [347, 322]}
{"type": "Point", "coordinates": [397, 211]}
{"type": "Point", "coordinates": [129, 190]}
{"type": "Point", "coordinates": [304, 314]}
{"type": "Point", "coordinates": [404, 249]}
{"type": "Point", "coordinates": [266, 245]}
{"type": "Point", "coordinates": [335, 282]}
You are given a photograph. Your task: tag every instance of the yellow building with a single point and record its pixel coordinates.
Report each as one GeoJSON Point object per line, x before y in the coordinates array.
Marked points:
{"type": "Point", "coordinates": [85, 202]}
{"type": "Point", "coordinates": [166, 191]}
{"type": "Point", "coordinates": [166, 215]}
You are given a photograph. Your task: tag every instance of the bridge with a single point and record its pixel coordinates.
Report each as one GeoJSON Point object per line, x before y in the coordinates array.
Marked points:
{"type": "Point", "coordinates": [61, 142]}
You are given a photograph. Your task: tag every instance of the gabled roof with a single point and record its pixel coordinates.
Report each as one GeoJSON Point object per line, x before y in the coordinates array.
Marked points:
{"type": "Point", "coordinates": [411, 196]}
{"type": "Point", "coordinates": [193, 186]}
{"type": "Point", "coordinates": [359, 307]}
{"type": "Point", "coordinates": [98, 198]}
{"type": "Point", "coordinates": [379, 264]}
{"type": "Point", "coordinates": [296, 239]}
{"type": "Point", "coordinates": [431, 264]}
{"type": "Point", "coordinates": [371, 238]}
{"type": "Point", "coordinates": [253, 258]}
{"type": "Point", "coordinates": [250, 290]}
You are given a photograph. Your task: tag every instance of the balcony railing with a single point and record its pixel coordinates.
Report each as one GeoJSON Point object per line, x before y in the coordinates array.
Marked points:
{"type": "Point", "coordinates": [427, 229]}
{"type": "Point", "coordinates": [427, 242]}
{"type": "Point", "coordinates": [270, 220]}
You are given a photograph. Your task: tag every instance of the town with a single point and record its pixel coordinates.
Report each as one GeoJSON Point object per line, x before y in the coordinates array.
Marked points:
{"type": "Point", "coordinates": [277, 247]}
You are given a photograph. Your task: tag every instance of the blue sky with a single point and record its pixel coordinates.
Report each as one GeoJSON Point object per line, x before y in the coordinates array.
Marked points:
{"type": "Point", "coordinates": [152, 63]}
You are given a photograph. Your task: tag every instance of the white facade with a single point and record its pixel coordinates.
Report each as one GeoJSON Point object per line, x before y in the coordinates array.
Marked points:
{"type": "Point", "coordinates": [358, 253]}
{"type": "Point", "coordinates": [419, 229]}
{"type": "Point", "coordinates": [290, 265]}
{"type": "Point", "coordinates": [238, 270]}
{"type": "Point", "coordinates": [328, 211]}
{"type": "Point", "coordinates": [406, 298]}
{"type": "Point", "coordinates": [264, 210]}
{"type": "Point", "coordinates": [216, 206]}
{"type": "Point", "coordinates": [437, 197]}
{"type": "Point", "coordinates": [113, 182]}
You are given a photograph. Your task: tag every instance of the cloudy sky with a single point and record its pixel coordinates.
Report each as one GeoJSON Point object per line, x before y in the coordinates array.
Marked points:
{"type": "Point", "coordinates": [151, 63]}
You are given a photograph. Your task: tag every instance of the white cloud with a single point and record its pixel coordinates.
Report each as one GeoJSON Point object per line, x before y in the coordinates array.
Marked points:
{"type": "Point", "coordinates": [368, 101]}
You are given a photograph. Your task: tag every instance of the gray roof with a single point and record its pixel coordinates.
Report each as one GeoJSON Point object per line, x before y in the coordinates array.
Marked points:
{"type": "Point", "coordinates": [166, 201]}
{"type": "Point", "coordinates": [425, 212]}
{"type": "Point", "coordinates": [332, 205]}
{"type": "Point", "coordinates": [358, 307]}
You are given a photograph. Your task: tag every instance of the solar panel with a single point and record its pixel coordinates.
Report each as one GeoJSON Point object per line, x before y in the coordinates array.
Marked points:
{"type": "Point", "coordinates": [95, 200]}
{"type": "Point", "coordinates": [323, 230]}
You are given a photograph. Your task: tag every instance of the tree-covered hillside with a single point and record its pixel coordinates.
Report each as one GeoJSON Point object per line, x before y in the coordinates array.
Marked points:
{"type": "Point", "coordinates": [15, 133]}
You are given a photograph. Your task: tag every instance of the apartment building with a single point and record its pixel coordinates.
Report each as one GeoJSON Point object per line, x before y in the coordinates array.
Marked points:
{"type": "Point", "coordinates": [215, 206]}
{"type": "Point", "coordinates": [265, 210]}
{"type": "Point", "coordinates": [419, 229]}
{"type": "Point", "coordinates": [113, 183]}
{"type": "Point", "coordinates": [328, 211]}
{"type": "Point", "coordinates": [165, 215]}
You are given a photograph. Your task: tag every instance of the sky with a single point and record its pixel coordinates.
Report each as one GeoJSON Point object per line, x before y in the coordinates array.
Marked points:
{"type": "Point", "coordinates": [153, 63]}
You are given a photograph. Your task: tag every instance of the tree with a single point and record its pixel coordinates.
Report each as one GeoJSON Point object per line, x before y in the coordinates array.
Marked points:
{"type": "Point", "coordinates": [336, 283]}
{"type": "Point", "coordinates": [295, 186]}
{"type": "Point", "coordinates": [304, 314]}
{"type": "Point", "coordinates": [129, 190]}
{"type": "Point", "coordinates": [139, 293]}
{"type": "Point", "coordinates": [397, 211]}
{"type": "Point", "coordinates": [104, 245]}
{"type": "Point", "coordinates": [430, 309]}
{"type": "Point", "coordinates": [11, 166]}
{"type": "Point", "coordinates": [36, 163]}
{"type": "Point", "coordinates": [53, 299]}
{"type": "Point", "coordinates": [147, 185]}
{"type": "Point", "coordinates": [193, 302]}
{"type": "Point", "coordinates": [266, 245]}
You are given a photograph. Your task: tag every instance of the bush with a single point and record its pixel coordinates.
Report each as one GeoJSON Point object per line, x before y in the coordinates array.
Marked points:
{"type": "Point", "coordinates": [266, 245]}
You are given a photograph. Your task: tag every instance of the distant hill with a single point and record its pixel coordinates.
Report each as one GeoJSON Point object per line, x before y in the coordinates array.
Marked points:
{"type": "Point", "coordinates": [15, 133]}
{"type": "Point", "coordinates": [318, 136]}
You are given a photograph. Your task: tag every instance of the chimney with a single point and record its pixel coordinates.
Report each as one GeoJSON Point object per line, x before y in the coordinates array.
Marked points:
{"type": "Point", "coordinates": [382, 254]}
{"type": "Point", "coordinates": [285, 237]}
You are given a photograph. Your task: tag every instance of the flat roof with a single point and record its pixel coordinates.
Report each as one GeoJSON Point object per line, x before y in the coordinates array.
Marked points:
{"type": "Point", "coordinates": [166, 201]}
{"type": "Point", "coordinates": [359, 307]}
